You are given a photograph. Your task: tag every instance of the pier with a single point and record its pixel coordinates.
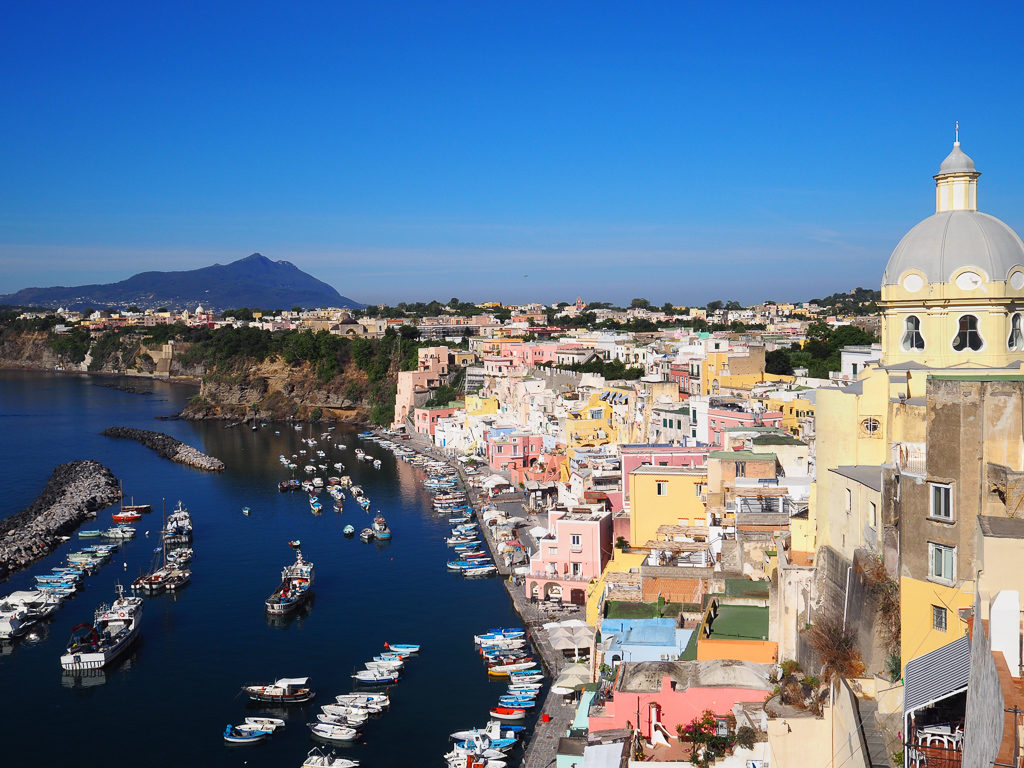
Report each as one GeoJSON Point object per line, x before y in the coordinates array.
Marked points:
{"type": "Point", "coordinates": [168, 447]}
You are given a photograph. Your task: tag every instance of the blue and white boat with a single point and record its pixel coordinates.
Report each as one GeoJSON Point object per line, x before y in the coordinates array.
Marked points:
{"type": "Point", "coordinates": [403, 647]}
{"type": "Point", "coordinates": [235, 735]}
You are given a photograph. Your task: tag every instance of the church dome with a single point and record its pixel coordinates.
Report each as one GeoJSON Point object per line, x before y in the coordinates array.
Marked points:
{"type": "Point", "coordinates": [957, 161]}
{"type": "Point", "coordinates": [949, 241]}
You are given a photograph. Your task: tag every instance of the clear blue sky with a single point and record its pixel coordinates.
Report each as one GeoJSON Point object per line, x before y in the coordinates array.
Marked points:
{"type": "Point", "coordinates": [498, 150]}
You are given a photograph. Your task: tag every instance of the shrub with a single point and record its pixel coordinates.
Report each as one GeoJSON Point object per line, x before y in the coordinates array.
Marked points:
{"type": "Point", "coordinates": [746, 737]}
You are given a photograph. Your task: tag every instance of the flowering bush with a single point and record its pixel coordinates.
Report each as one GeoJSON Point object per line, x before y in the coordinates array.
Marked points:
{"type": "Point", "coordinates": [703, 733]}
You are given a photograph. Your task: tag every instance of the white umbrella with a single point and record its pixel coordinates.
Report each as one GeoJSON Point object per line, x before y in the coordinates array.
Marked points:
{"type": "Point", "coordinates": [574, 677]}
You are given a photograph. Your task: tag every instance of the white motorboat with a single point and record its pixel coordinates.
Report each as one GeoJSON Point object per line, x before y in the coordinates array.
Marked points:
{"type": "Point", "coordinates": [364, 699]}
{"type": "Point", "coordinates": [350, 721]}
{"type": "Point", "coordinates": [317, 758]}
{"type": "Point", "coordinates": [334, 733]}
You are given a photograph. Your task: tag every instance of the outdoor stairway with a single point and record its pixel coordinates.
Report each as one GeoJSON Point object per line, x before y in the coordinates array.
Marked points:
{"type": "Point", "coordinates": [872, 734]}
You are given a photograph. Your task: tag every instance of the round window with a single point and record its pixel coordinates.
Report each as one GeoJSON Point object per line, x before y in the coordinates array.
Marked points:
{"type": "Point", "coordinates": [870, 425]}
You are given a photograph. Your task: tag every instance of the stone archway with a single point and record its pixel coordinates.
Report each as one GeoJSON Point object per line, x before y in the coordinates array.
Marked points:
{"type": "Point", "coordinates": [534, 591]}
{"type": "Point", "coordinates": [552, 591]}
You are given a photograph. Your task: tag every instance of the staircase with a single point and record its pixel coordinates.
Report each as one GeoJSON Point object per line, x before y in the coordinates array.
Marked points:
{"type": "Point", "coordinates": [872, 734]}
{"type": "Point", "coordinates": [731, 556]}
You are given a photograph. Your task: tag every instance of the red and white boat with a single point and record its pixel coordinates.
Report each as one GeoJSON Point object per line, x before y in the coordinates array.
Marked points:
{"type": "Point", "coordinates": [127, 516]}
{"type": "Point", "coordinates": [508, 713]}
{"type": "Point", "coordinates": [502, 670]}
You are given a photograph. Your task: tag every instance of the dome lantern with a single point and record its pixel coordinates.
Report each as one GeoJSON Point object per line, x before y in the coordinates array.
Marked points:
{"type": "Point", "coordinates": [956, 183]}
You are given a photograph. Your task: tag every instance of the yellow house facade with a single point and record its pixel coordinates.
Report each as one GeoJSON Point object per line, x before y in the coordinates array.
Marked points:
{"type": "Point", "coordinates": [665, 496]}
{"type": "Point", "coordinates": [595, 423]}
{"type": "Point", "coordinates": [479, 405]}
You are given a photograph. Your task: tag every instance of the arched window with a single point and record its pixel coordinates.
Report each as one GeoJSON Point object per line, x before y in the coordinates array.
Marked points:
{"type": "Point", "coordinates": [1016, 338]}
{"type": "Point", "coordinates": [912, 339]}
{"type": "Point", "coordinates": [967, 336]}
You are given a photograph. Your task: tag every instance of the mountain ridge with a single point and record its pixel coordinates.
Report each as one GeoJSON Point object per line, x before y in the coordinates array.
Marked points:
{"type": "Point", "coordinates": [253, 281]}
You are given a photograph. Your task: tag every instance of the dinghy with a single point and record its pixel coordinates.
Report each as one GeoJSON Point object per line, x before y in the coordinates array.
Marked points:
{"type": "Point", "coordinates": [235, 735]}
{"type": "Point", "coordinates": [317, 758]}
{"type": "Point", "coordinates": [334, 733]}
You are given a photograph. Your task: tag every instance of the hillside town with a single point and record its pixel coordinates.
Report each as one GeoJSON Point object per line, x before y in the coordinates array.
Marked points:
{"type": "Point", "coordinates": [792, 527]}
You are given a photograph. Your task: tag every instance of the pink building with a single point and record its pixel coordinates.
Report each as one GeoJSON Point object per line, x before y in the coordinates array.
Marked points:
{"type": "Point", "coordinates": [513, 451]}
{"type": "Point", "coordinates": [574, 551]}
{"type": "Point", "coordinates": [720, 419]}
{"type": "Point", "coordinates": [426, 418]}
{"type": "Point", "coordinates": [526, 355]}
{"type": "Point", "coordinates": [431, 367]}
{"type": "Point", "coordinates": [678, 703]}
{"type": "Point", "coordinates": [497, 365]}
{"type": "Point", "coordinates": [634, 456]}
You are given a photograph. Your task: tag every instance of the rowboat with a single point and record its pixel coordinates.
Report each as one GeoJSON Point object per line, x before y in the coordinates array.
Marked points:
{"type": "Point", "coordinates": [364, 699]}
{"type": "Point", "coordinates": [375, 677]}
{"type": "Point", "coordinates": [403, 647]}
{"type": "Point", "coordinates": [319, 759]}
{"type": "Point", "coordinates": [235, 735]}
{"type": "Point", "coordinates": [265, 723]}
{"type": "Point", "coordinates": [508, 713]}
{"type": "Point", "coordinates": [335, 733]}
{"type": "Point", "coordinates": [502, 670]}
{"type": "Point", "coordinates": [353, 720]}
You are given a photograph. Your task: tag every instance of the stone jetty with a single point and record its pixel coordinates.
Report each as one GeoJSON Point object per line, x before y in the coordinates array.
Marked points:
{"type": "Point", "coordinates": [76, 492]}
{"type": "Point", "coordinates": [168, 447]}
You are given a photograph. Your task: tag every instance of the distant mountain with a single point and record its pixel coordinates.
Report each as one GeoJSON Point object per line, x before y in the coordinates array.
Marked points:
{"type": "Point", "coordinates": [254, 281]}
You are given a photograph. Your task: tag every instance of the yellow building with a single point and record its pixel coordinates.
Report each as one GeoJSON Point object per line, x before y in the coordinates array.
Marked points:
{"type": "Point", "coordinates": [478, 405]}
{"type": "Point", "coordinates": [795, 412]}
{"type": "Point", "coordinates": [665, 496]}
{"type": "Point", "coordinates": [596, 423]}
{"type": "Point", "coordinates": [952, 298]}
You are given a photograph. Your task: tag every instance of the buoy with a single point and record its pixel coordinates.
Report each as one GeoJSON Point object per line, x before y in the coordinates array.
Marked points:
{"type": "Point", "coordinates": [125, 566]}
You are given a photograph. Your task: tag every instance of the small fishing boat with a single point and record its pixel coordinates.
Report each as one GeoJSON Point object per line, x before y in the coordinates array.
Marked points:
{"type": "Point", "coordinates": [380, 528]}
{"type": "Point", "coordinates": [287, 690]}
{"type": "Point", "coordinates": [403, 647]}
{"type": "Point", "coordinates": [265, 723]}
{"type": "Point", "coordinates": [508, 713]}
{"type": "Point", "coordinates": [112, 631]}
{"type": "Point", "coordinates": [335, 733]}
{"type": "Point", "coordinates": [502, 670]}
{"type": "Point", "coordinates": [126, 516]}
{"type": "Point", "coordinates": [91, 534]}
{"type": "Point", "coordinates": [235, 735]}
{"type": "Point", "coordinates": [351, 720]}
{"type": "Point", "coordinates": [366, 534]}
{"type": "Point", "coordinates": [375, 677]}
{"type": "Point", "coordinates": [349, 530]}
{"type": "Point", "coordinates": [480, 570]}
{"type": "Point", "coordinates": [245, 511]}
{"type": "Point", "coordinates": [296, 585]}
{"type": "Point", "coordinates": [364, 699]}
{"type": "Point", "coordinates": [119, 532]}
{"type": "Point", "coordinates": [320, 759]}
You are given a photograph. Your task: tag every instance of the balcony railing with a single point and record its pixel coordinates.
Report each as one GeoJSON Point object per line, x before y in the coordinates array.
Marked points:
{"type": "Point", "coordinates": [933, 756]}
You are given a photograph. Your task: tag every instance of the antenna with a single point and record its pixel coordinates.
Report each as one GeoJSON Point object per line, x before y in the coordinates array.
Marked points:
{"type": "Point", "coordinates": [957, 132]}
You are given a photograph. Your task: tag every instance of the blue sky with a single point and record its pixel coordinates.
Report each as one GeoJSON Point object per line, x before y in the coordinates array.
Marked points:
{"type": "Point", "coordinates": [512, 151]}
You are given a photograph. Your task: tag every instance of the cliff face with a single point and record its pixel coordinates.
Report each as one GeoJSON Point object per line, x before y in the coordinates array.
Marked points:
{"type": "Point", "coordinates": [277, 390]}
{"type": "Point", "coordinates": [30, 350]}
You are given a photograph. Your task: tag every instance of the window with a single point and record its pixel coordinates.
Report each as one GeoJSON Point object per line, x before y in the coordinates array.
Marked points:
{"type": "Point", "coordinates": [577, 569]}
{"type": "Point", "coordinates": [1016, 338]}
{"type": "Point", "coordinates": [912, 340]}
{"type": "Point", "coordinates": [870, 425]}
{"type": "Point", "coordinates": [854, 369]}
{"type": "Point", "coordinates": [874, 514]}
{"type": "Point", "coordinates": [968, 336]}
{"type": "Point", "coordinates": [575, 542]}
{"type": "Point", "coordinates": [596, 413]}
{"type": "Point", "coordinates": [939, 618]}
{"type": "Point", "coordinates": [741, 469]}
{"type": "Point", "coordinates": [662, 488]}
{"type": "Point", "coordinates": [849, 501]}
{"type": "Point", "coordinates": [941, 501]}
{"type": "Point", "coordinates": [941, 563]}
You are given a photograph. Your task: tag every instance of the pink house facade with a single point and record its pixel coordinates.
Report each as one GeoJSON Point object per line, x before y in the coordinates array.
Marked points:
{"type": "Point", "coordinates": [720, 419]}
{"type": "Point", "coordinates": [527, 355]}
{"type": "Point", "coordinates": [431, 368]}
{"type": "Point", "coordinates": [575, 551]}
{"type": "Point", "coordinates": [513, 451]}
{"type": "Point", "coordinates": [426, 419]}
{"type": "Point", "coordinates": [671, 706]}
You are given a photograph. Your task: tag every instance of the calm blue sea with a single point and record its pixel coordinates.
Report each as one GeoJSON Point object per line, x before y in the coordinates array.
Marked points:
{"type": "Point", "coordinates": [166, 703]}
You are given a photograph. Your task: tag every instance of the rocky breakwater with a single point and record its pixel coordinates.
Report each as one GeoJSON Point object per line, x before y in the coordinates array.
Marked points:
{"type": "Point", "coordinates": [76, 491]}
{"type": "Point", "coordinates": [168, 447]}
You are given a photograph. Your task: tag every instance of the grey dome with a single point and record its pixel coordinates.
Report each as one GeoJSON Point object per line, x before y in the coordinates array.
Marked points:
{"type": "Point", "coordinates": [948, 241]}
{"type": "Point", "coordinates": [956, 162]}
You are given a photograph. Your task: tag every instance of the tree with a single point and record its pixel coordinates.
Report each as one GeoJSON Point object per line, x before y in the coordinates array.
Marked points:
{"type": "Point", "coordinates": [714, 306]}
{"type": "Point", "coordinates": [134, 309]}
{"type": "Point", "coordinates": [409, 332]}
{"type": "Point", "coordinates": [778, 362]}
{"type": "Point", "coordinates": [296, 309]}
{"type": "Point", "coordinates": [733, 306]}
{"type": "Point", "coordinates": [640, 304]}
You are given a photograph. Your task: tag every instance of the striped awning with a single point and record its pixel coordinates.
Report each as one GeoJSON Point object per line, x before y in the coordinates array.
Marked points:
{"type": "Point", "coordinates": [937, 675]}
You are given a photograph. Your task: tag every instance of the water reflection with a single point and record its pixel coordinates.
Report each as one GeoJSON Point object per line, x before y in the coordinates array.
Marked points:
{"type": "Point", "coordinates": [296, 617]}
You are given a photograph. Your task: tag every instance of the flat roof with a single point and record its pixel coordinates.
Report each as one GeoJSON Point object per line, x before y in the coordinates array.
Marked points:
{"type": "Point", "coordinates": [868, 475]}
{"type": "Point", "coordinates": [1001, 527]}
{"type": "Point", "coordinates": [742, 456]}
{"type": "Point", "coordinates": [740, 622]}
{"type": "Point", "coordinates": [777, 439]}
{"type": "Point", "coordinates": [651, 469]}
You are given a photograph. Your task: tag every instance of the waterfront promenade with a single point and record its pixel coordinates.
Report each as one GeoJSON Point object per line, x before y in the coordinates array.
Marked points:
{"type": "Point", "coordinates": [542, 747]}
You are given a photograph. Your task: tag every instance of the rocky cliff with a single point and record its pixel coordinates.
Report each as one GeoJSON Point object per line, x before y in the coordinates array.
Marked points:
{"type": "Point", "coordinates": [30, 350]}
{"type": "Point", "coordinates": [275, 390]}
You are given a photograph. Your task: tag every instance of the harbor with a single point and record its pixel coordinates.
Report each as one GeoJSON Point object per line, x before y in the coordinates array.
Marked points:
{"type": "Point", "coordinates": [215, 634]}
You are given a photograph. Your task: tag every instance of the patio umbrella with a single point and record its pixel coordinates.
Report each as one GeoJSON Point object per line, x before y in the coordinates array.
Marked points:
{"type": "Point", "coordinates": [574, 677]}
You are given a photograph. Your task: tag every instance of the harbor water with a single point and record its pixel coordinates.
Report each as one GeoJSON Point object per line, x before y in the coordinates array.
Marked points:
{"type": "Point", "coordinates": [167, 700]}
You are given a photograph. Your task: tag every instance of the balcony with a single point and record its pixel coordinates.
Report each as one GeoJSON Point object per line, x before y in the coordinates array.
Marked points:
{"type": "Point", "coordinates": [935, 747]}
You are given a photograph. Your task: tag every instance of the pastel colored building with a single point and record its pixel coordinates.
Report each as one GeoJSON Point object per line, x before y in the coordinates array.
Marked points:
{"type": "Point", "coordinates": [665, 695]}
{"type": "Point", "coordinates": [426, 418]}
{"type": "Point", "coordinates": [635, 455]}
{"type": "Point", "coordinates": [665, 496]}
{"type": "Point", "coordinates": [513, 451]}
{"type": "Point", "coordinates": [643, 640]}
{"type": "Point", "coordinates": [570, 556]}
{"type": "Point", "coordinates": [722, 418]}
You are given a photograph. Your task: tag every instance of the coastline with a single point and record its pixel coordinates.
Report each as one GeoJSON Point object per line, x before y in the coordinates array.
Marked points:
{"type": "Point", "coordinates": [540, 749]}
